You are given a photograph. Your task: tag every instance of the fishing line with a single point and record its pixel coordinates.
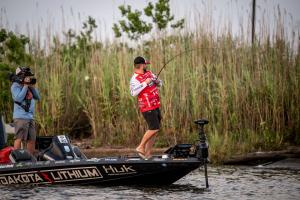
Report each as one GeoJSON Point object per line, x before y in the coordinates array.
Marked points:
{"type": "Point", "coordinates": [181, 53]}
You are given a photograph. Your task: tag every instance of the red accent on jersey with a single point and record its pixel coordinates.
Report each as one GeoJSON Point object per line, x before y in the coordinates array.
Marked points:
{"type": "Point", "coordinates": [148, 98]}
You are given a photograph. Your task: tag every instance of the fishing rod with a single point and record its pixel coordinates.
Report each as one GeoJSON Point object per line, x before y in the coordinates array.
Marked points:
{"type": "Point", "coordinates": [179, 54]}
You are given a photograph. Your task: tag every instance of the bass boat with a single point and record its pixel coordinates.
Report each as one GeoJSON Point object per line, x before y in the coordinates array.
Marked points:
{"type": "Point", "coordinates": [59, 162]}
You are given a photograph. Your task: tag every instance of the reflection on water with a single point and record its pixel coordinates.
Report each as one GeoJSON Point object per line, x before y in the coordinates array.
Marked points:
{"type": "Point", "coordinates": [225, 183]}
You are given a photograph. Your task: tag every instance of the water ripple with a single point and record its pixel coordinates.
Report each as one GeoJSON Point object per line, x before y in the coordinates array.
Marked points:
{"type": "Point", "coordinates": [225, 183]}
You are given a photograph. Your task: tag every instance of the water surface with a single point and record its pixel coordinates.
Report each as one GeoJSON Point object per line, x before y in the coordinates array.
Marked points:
{"type": "Point", "coordinates": [225, 183]}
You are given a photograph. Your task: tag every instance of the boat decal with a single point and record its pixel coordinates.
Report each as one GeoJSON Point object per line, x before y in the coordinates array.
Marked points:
{"type": "Point", "coordinates": [6, 166]}
{"type": "Point", "coordinates": [118, 170]}
{"type": "Point", "coordinates": [62, 139]}
{"type": "Point", "coordinates": [159, 159]}
{"type": "Point", "coordinates": [46, 177]}
{"type": "Point", "coordinates": [74, 161]}
{"type": "Point", "coordinates": [60, 162]}
{"type": "Point", "coordinates": [51, 176]}
{"type": "Point", "coordinates": [20, 178]}
{"type": "Point", "coordinates": [111, 159]}
{"type": "Point", "coordinates": [133, 159]}
{"type": "Point", "coordinates": [71, 174]}
{"type": "Point", "coordinates": [93, 160]}
{"type": "Point", "coordinates": [19, 165]}
{"type": "Point", "coordinates": [40, 163]}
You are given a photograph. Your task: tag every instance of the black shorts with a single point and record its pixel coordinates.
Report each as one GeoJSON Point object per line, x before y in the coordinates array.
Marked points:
{"type": "Point", "coordinates": [153, 118]}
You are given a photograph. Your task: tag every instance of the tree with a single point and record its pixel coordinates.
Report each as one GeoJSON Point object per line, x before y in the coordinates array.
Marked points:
{"type": "Point", "coordinates": [13, 48]}
{"type": "Point", "coordinates": [135, 27]}
{"type": "Point", "coordinates": [12, 53]}
{"type": "Point", "coordinates": [80, 45]}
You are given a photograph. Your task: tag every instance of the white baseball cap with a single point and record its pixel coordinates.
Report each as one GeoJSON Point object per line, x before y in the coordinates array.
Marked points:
{"type": "Point", "coordinates": [18, 70]}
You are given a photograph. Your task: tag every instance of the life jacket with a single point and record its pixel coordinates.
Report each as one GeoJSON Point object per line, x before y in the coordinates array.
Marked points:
{"type": "Point", "coordinates": [148, 98]}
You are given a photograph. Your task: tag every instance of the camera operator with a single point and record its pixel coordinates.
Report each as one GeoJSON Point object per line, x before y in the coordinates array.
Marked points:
{"type": "Point", "coordinates": [24, 93]}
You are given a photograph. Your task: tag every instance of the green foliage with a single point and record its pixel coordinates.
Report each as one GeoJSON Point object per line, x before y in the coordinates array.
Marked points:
{"type": "Point", "coordinates": [12, 48]}
{"type": "Point", "coordinates": [84, 38]}
{"type": "Point", "coordinates": [161, 15]}
{"type": "Point", "coordinates": [79, 45]}
{"type": "Point", "coordinates": [12, 53]}
{"type": "Point", "coordinates": [63, 80]}
{"type": "Point", "coordinates": [135, 27]}
{"type": "Point", "coordinates": [5, 95]}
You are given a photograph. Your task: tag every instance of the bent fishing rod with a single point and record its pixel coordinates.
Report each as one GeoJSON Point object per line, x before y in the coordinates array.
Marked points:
{"type": "Point", "coordinates": [179, 54]}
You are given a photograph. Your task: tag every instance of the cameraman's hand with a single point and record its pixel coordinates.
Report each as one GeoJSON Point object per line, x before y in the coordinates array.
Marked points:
{"type": "Point", "coordinates": [27, 81]}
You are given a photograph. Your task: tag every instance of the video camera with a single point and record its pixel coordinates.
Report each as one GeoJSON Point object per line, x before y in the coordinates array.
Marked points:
{"type": "Point", "coordinates": [23, 75]}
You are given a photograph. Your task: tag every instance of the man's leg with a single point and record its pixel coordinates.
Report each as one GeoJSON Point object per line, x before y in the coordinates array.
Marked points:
{"type": "Point", "coordinates": [17, 143]}
{"type": "Point", "coordinates": [31, 146]}
{"type": "Point", "coordinates": [31, 137]}
{"type": "Point", "coordinates": [21, 132]}
{"type": "Point", "coordinates": [149, 145]}
{"type": "Point", "coordinates": [147, 136]}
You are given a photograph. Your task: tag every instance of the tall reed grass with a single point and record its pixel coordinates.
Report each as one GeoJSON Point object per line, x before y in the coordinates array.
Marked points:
{"type": "Point", "coordinates": [250, 94]}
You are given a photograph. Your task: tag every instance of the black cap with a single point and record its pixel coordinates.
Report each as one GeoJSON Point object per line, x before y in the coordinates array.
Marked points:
{"type": "Point", "coordinates": [140, 60]}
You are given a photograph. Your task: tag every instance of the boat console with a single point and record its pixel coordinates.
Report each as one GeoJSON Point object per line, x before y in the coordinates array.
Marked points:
{"type": "Point", "coordinates": [57, 148]}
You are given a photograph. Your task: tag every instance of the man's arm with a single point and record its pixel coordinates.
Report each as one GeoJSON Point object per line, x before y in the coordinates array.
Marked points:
{"type": "Point", "coordinates": [157, 81]}
{"type": "Point", "coordinates": [35, 93]}
{"type": "Point", "coordinates": [136, 87]}
{"type": "Point", "coordinates": [18, 92]}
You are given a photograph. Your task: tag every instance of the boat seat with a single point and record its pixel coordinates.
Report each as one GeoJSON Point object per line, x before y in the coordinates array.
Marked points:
{"type": "Point", "coordinates": [78, 153]}
{"type": "Point", "coordinates": [21, 155]}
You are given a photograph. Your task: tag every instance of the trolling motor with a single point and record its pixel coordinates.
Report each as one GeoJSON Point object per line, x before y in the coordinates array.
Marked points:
{"type": "Point", "coordinates": [202, 146]}
{"type": "Point", "coordinates": [201, 149]}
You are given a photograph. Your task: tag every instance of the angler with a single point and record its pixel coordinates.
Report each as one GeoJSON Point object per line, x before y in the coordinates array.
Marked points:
{"type": "Point", "coordinates": [144, 84]}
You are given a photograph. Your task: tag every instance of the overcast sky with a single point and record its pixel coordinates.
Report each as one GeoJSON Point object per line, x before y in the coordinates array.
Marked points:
{"type": "Point", "coordinates": [25, 16]}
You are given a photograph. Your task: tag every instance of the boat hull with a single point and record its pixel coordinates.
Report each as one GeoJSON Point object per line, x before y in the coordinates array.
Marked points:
{"type": "Point", "coordinates": [102, 171]}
